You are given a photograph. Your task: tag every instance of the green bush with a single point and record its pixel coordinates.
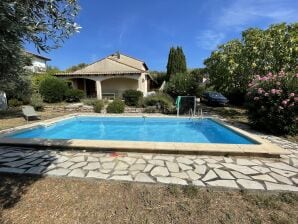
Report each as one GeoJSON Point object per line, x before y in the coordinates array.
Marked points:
{"type": "Point", "coordinates": [182, 85]}
{"type": "Point", "coordinates": [117, 107]}
{"type": "Point", "coordinates": [272, 103]}
{"type": "Point", "coordinates": [74, 95]}
{"type": "Point", "coordinates": [37, 102]}
{"type": "Point", "coordinates": [89, 101]}
{"type": "Point", "coordinates": [14, 103]}
{"type": "Point", "coordinates": [132, 97]}
{"type": "Point", "coordinates": [98, 105]}
{"type": "Point", "coordinates": [53, 89]}
{"type": "Point", "coordinates": [163, 102]}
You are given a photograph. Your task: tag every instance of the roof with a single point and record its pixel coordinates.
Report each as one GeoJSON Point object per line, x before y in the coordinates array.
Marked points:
{"type": "Point", "coordinates": [38, 56]}
{"type": "Point", "coordinates": [113, 64]}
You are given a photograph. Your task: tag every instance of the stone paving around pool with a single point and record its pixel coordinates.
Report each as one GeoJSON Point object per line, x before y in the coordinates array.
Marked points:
{"type": "Point", "coordinates": [217, 171]}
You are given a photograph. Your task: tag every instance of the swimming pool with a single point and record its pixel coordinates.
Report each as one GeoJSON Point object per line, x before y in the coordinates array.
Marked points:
{"type": "Point", "coordinates": [149, 129]}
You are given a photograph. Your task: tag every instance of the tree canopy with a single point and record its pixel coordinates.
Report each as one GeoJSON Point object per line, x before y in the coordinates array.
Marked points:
{"type": "Point", "coordinates": [176, 61]}
{"type": "Point", "coordinates": [234, 64]}
{"type": "Point", "coordinates": [76, 67]}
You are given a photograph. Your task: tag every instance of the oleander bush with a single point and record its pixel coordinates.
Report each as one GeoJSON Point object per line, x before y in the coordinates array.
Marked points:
{"type": "Point", "coordinates": [116, 107]}
{"type": "Point", "coordinates": [132, 97]}
{"type": "Point", "coordinates": [74, 95]}
{"type": "Point", "coordinates": [36, 101]}
{"type": "Point", "coordinates": [98, 105]}
{"type": "Point", "coordinates": [272, 103]}
{"type": "Point", "coordinates": [53, 89]}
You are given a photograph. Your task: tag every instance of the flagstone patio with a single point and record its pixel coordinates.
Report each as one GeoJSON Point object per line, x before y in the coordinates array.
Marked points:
{"type": "Point", "coordinates": [206, 171]}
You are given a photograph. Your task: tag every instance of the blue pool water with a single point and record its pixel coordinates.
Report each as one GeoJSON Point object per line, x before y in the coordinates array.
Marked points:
{"type": "Point", "coordinates": [138, 129]}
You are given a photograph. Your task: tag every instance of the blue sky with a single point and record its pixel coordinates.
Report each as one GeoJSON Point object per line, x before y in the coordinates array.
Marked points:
{"type": "Point", "coordinates": [146, 29]}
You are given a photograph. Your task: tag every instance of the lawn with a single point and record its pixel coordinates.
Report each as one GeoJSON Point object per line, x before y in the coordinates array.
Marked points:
{"type": "Point", "coordinates": [25, 199]}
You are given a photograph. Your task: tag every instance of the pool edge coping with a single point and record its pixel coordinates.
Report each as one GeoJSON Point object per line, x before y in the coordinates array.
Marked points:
{"type": "Point", "coordinates": [263, 148]}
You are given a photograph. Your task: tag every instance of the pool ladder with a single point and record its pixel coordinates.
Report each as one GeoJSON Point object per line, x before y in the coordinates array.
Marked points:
{"type": "Point", "coordinates": [192, 114]}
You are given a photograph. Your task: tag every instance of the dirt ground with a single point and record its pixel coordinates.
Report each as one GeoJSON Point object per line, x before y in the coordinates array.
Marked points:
{"type": "Point", "coordinates": [25, 199]}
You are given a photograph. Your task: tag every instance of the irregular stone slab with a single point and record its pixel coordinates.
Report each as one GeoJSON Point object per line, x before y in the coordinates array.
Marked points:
{"type": "Point", "coordinates": [147, 156]}
{"type": "Point", "coordinates": [199, 161]}
{"type": "Point", "coordinates": [121, 166]}
{"type": "Point", "coordinates": [11, 170]}
{"type": "Point", "coordinates": [120, 172]}
{"type": "Point", "coordinates": [128, 160]}
{"type": "Point", "coordinates": [224, 174]}
{"type": "Point", "coordinates": [143, 177]}
{"type": "Point", "coordinates": [192, 175]}
{"type": "Point", "coordinates": [228, 160]}
{"type": "Point", "coordinates": [166, 158]}
{"type": "Point", "coordinates": [223, 183]}
{"type": "Point", "coordinates": [148, 168]}
{"type": "Point", "coordinates": [108, 165]}
{"type": "Point", "coordinates": [159, 171]}
{"type": "Point", "coordinates": [10, 159]}
{"type": "Point", "coordinates": [209, 176]}
{"type": "Point", "coordinates": [280, 187]}
{"type": "Point", "coordinates": [105, 171]}
{"type": "Point", "coordinates": [140, 161]}
{"type": "Point", "coordinates": [184, 160]}
{"type": "Point", "coordinates": [198, 183]}
{"type": "Point", "coordinates": [26, 166]}
{"type": "Point", "coordinates": [138, 167]}
{"type": "Point", "coordinates": [172, 167]}
{"type": "Point", "coordinates": [284, 172]}
{"type": "Point", "coordinates": [261, 169]}
{"type": "Point", "coordinates": [295, 180]}
{"type": "Point", "coordinates": [36, 170]}
{"type": "Point", "coordinates": [78, 165]}
{"type": "Point", "coordinates": [213, 165]}
{"type": "Point", "coordinates": [242, 169]}
{"type": "Point", "coordinates": [281, 178]}
{"type": "Point", "coordinates": [18, 163]}
{"type": "Point", "coordinates": [184, 167]}
{"type": "Point", "coordinates": [211, 160]}
{"type": "Point", "coordinates": [98, 175]}
{"type": "Point", "coordinates": [156, 162]}
{"type": "Point", "coordinates": [38, 161]}
{"type": "Point", "coordinates": [264, 178]}
{"type": "Point", "coordinates": [249, 184]}
{"type": "Point", "coordinates": [78, 159]}
{"type": "Point", "coordinates": [58, 172]}
{"type": "Point", "coordinates": [282, 166]}
{"type": "Point", "coordinates": [13, 154]}
{"type": "Point", "coordinates": [171, 180]}
{"type": "Point", "coordinates": [245, 162]}
{"type": "Point", "coordinates": [39, 154]}
{"type": "Point", "coordinates": [65, 164]}
{"type": "Point", "coordinates": [201, 169]}
{"type": "Point", "coordinates": [106, 159]}
{"type": "Point", "coordinates": [294, 162]}
{"type": "Point", "coordinates": [77, 173]}
{"type": "Point", "coordinates": [61, 159]}
{"type": "Point", "coordinates": [92, 159]}
{"type": "Point", "coordinates": [134, 173]}
{"type": "Point", "coordinates": [240, 175]}
{"type": "Point", "coordinates": [125, 178]}
{"type": "Point", "coordinates": [181, 175]}
{"type": "Point", "coordinates": [92, 166]}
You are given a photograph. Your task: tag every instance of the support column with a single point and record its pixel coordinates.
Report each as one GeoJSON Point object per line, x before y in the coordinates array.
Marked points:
{"type": "Point", "coordinates": [98, 90]}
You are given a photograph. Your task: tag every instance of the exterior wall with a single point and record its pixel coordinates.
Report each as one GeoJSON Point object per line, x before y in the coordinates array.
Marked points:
{"type": "Point", "coordinates": [38, 65]}
{"type": "Point", "coordinates": [114, 83]}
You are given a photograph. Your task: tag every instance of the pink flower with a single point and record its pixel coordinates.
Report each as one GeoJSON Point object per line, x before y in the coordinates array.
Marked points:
{"type": "Point", "coordinates": [273, 91]}
{"type": "Point", "coordinates": [260, 90]}
{"type": "Point", "coordinates": [296, 99]}
{"type": "Point", "coordinates": [269, 74]}
{"type": "Point", "coordinates": [284, 102]}
{"type": "Point", "coordinates": [292, 94]}
{"type": "Point", "coordinates": [297, 75]}
{"type": "Point", "coordinates": [248, 93]}
{"type": "Point", "coordinates": [291, 105]}
{"type": "Point", "coordinates": [266, 94]}
{"type": "Point", "coordinates": [256, 98]}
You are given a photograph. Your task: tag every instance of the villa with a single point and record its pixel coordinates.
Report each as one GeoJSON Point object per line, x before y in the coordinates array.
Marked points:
{"type": "Point", "coordinates": [111, 76]}
{"type": "Point", "coordinates": [38, 63]}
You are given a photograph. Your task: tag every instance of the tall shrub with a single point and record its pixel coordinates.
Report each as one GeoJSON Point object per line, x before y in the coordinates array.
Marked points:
{"type": "Point", "coordinates": [272, 103]}
{"type": "Point", "coordinates": [176, 62]}
{"type": "Point", "coordinates": [132, 97]}
{"type": "Point", "coordinates": [53, 89]}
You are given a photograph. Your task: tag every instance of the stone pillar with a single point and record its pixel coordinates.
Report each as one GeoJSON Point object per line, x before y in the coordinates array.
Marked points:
{"type": "Point", "coordinates": [98, 89]}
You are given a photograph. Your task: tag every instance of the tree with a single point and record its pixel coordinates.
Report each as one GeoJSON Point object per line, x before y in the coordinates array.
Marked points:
{"type": "Point", "coordinates": [76, 67]}
{"type": "Point", "coordinates": [176, 61]}
{"type": "Point", "coordinates": [234, 64]}
{"type": "Point", "coordinates": [45, 23]}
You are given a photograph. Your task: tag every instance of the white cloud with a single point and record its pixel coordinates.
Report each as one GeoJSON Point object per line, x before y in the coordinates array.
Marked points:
{"type": "Point", "coordinates": [209, 39]}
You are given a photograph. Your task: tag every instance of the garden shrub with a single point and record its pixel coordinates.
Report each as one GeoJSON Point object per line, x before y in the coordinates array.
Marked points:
{"type": "Point", "coordinates": [74, 95]}
{"type": "Point", "coordinates": [132, 97]}
{"type": "Point", "coordinates": [98, 105]}
{"type": "Point", "coordinates": [163, 102]}
{"type": "Point", "coordinates": [53, 89]}
{"type": "Point", "coordinates": [14, 103]}
{"type": "Point", "coordinates": [272, 103]}
{"type": "Point", "coordinates": [37, 101]}
{"type": "Point", "coordinates": [116, 107]}
{"type": "Point", "coordinates": [89, 101]}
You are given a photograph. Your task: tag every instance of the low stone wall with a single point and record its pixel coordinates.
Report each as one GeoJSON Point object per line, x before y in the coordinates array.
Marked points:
{"type": "Point", "coordinates": [71, 108]}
